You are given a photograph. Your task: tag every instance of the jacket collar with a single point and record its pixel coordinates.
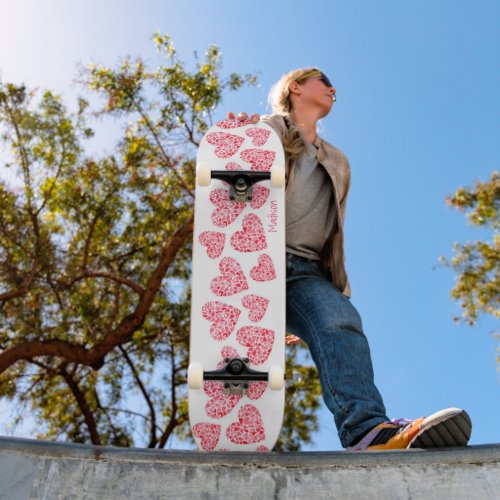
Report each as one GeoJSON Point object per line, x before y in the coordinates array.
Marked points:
{"type": "Point", "coordinates": [327, 160]}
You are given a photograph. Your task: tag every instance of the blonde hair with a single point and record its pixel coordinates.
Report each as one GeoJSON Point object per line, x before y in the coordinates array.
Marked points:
{"type": "Point", "coordinates": [281, 104]}
{"type": "Point", "coordinates": [279, 96]}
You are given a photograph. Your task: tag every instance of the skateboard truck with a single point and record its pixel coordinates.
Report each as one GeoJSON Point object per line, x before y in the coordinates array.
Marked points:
{"type": "Point", "coordinates": [236, 376]}
{"type": "Point", "coordinates": [240, 182]}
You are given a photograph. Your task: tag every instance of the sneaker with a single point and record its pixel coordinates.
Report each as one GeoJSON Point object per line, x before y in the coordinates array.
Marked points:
{"type": "Point", "coordinates": [450, 427]}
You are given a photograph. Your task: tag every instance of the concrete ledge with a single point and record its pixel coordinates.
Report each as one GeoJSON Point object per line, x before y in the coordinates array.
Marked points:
{"type": "Point", "coordinates": [36, 469]}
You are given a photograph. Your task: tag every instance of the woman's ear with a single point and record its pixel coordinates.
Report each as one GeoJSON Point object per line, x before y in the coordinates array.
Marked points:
{"type": "Point", "coordinates": [294, 88]}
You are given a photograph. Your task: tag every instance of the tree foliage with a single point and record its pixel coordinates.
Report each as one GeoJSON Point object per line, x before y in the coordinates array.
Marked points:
{"type": "Point", "coordinates": [477, 264]}
{"type": "Point", "coordinates": [95, 254]}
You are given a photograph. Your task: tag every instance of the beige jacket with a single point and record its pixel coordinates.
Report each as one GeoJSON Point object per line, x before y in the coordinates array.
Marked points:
{"type": "Point", "coordinates": [337, 166]}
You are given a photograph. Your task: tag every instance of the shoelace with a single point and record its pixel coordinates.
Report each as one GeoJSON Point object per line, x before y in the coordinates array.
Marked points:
{"type": "Point", "coordinates": [401, 421]}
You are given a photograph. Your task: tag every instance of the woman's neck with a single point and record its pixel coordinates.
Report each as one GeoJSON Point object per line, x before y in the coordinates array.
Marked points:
{"type": "Point", "coordinates": [307, 123]}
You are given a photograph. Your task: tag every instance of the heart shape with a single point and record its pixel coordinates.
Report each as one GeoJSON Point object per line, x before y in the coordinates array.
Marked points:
{"type": "Point", "coordinates": [208, 433]}
{"type": "Point", "coordinates": [227, 352]}
{"type": "Point", "coordinates": [214, 241]}
{"type": "Point", "coordinates": [259, 135]}
{"type": "Point", "coordinates": [252, 238]}
{"type": "Point", "coordinates": [232, 165]}
{"type": "Point", "coordinates": [259, 196]}
{"type": "Point", "coordinates": [226, 144]}
{"type": "Point", "coordinates": [224, 319]}
{"type": "Point", "coordinates": [227, 211]}
{"type": "Point", "coordinates": [257, 307]}
{"type": "Point", "coordinates": [249, 428]}
{"type": "Point", "coordinates": [234, 123]}
{"type": "Point", "coordinates": [220, 404]}
{"type": "Point", "coordinates": [256, 390]}
{"type": "Point", "coordinates": [260, 159]}
{"type": "Point", "coordinates": [259, 341]}
{"type": "Point", "coordinates": [264, 270]}
{"type": "Point", "coordinates": [232, 279]}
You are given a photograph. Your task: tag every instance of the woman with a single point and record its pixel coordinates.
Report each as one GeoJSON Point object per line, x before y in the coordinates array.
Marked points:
{"type": "Point", "coordinates": [319, 310]}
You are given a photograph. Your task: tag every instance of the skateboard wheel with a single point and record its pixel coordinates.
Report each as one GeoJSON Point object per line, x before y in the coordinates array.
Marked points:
{"type": "Point", "coordinates": [203, 174]}
{"type": "Point", "coordinates": [276, 377]}
{"type": "Point", "coordinates": [278, 176]}
{"type": "Point", "coordinates": [195, 376]}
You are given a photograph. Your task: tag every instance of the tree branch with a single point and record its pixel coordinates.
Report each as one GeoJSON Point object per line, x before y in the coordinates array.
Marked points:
{"type": "Point", "coordinates": [122, 333]}
{"type": "Point", "coordinates": [114, 277]}
{"type": "Point", "coordinates": [53, 184]}
{"type": "Point", "coordinates": [152, 412]}
{"type": "Point", "coordinates": [173, 422]}
{"type": "Point", "coordinates": [82, 404]}
{"type": "Point", "coordinates": [24, 288]}
{"type": "Point", "coordinates": [97, 215]}
{"type": "Point", "coordinates": [160, 146]}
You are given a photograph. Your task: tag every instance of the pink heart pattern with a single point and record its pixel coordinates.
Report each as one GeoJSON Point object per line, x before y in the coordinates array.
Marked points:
{"type": "Point", "coordinates": [227, 352]}
{"type": "Point", "coordinates": [252, 238]}
{"type": "Point", "coordinates": [259, 196]}
{"type": "Point", "coordinates": [249, 428]}
{"type": "Point", "coordinates": [224, 319]}
{"type": "Point", "coordinates": [220, 404]}
{"type": "Point", "coordinates": [259, 342]}
{"type": "Point", "coordinates": [232, 279]}
{"type": "Point", "coordinates": [259, 135]}
{"type": "Point", "coordinates": [257, 307]}
{"type": "Point", "coordinates": [259, 159]}
{"type": "Point", "coordinates": [256, 390]}
{"type": "Point", "coordinates": [264, 270]}
{"type": "Point", "coordinates": [232, 165]}
{"type": "Point", "coordinates": [227, 211]}
{"type": "Point", "coordinates": [234, 123]}
{"type": "Point", "coordinates": [243, 151]}
{"type": "Point", "coordinates": [208, 433]}
{"type": "Point", "coordinates": [214, 241]}
{"type": "Point", "coordinates": [226, 144]}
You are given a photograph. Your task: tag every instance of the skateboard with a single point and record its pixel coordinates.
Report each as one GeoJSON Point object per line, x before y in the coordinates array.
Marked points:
{"type": "Point", "coordinates": [237, 340]}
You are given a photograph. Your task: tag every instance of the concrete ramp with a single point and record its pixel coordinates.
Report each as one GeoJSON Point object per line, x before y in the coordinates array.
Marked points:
{"type": "Point", "coordinates": [34, 469]}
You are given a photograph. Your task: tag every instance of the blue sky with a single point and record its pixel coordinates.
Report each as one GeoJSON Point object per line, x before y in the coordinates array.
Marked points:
{"type": "Point", "coordinates": [418, 115]}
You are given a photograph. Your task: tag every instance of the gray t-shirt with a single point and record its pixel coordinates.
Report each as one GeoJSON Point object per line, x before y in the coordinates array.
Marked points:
{"type": "Point", "coordinates": [310, 207]}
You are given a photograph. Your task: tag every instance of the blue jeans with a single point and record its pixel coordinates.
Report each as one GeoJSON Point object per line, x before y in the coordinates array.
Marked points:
{"type": "Point", "coordinates": [325, 319]}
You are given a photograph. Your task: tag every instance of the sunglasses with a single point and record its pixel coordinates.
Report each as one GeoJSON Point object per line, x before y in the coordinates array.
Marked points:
{"type": "Point", "coordinates": [316, 72]}
{"type": "Point", "coordinates": [322, 76]}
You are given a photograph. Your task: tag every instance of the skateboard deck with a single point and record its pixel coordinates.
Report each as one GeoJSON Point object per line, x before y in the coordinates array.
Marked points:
{"type": "Point", "coordinates": [238, 289]}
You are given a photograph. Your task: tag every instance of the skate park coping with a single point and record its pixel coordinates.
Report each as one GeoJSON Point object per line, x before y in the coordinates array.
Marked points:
{"type": "Point", "coordinates": [31, 469]}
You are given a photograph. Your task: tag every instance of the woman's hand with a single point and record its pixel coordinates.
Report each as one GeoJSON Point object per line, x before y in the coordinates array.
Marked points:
{"type": "Point", "coordinates": [292, 340]}
{"type": "Point", "coordinates": [243, 116]}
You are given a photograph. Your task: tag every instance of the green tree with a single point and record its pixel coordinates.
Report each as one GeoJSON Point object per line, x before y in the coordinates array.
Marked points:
{"type": "Point", "coordinates": [95, 255]}
{"type": "Point", "coordinates": [477, 264]}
